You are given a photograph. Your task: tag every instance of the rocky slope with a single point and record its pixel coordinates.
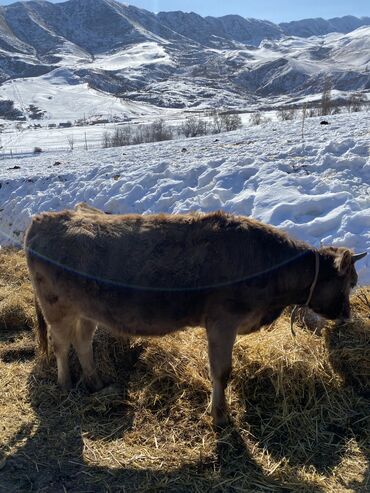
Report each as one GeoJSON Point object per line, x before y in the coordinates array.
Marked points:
{"type": "Point", "coordinates": [179, 59]}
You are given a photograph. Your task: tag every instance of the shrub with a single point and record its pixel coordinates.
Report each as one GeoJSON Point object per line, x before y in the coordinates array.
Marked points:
{"type": "Point", "coordinates": [121, 136]}
{"type": "Point", "coordinates": [194, 127]}
{"type": "Point", "coordinates": [8, 111]}
{"type": "Point", "coordinates": [133, 135]}
{"type": "Point", "coordinates": [159, 131]}
{"type": "Point", "coordinates": [287, 114]}
{"type": "Point", "coordinates": [256, 118]}
{"type": "Point", "coordinates": [312, 112]}
{"type": "Point", "coordinates": [71, 142]}
{"type": "Point", "coordinates": [217, 123]}
{"type": "Point", "coordinates": [356, 102]}
{"type": "Point", "coordinates": [231, 121]}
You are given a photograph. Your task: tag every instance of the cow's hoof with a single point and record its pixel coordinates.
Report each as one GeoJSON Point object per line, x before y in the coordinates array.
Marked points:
{"type": "Point", "coordinates": [110, 390]}
{"type": "Point", "coordinates": [65, 385]}
{"type": "Point", "coordinates": [93, 383]}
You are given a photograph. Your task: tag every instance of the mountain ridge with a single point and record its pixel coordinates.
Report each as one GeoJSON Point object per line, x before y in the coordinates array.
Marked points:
{"type": "Point", "coordinates": [48, 23]}
{"type": "Point", "coordinates": [181, 59]}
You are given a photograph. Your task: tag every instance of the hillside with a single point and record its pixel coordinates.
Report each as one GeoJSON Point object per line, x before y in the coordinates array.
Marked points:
{"type": "Point", "coordinates": [177, 59]}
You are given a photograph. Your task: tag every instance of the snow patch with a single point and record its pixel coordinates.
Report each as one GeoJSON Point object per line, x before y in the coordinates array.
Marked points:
{"type": "Point", "coordinates": [317, 190]}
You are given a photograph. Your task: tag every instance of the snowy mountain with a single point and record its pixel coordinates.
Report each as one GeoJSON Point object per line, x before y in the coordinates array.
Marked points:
{"type": "Point", "coordinates": [218, 32]}
{"type": "Point", "coordinates": [319, 27]}
{"type": "Point", "coordinates": [176, 59]}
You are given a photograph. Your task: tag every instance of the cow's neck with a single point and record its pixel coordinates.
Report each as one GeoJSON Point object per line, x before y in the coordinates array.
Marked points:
{"type": "Point", "coordinates": [294, 284]}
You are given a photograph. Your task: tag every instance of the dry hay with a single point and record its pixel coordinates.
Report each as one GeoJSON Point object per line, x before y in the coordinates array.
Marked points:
{"type": "Point", "coordinates": [300, 410]}
{"type": "Point", "coordinates": [16, 296]}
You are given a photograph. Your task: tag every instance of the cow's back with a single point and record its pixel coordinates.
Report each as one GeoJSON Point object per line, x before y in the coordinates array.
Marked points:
{"type": "Point", "coordinates": [160, 252]}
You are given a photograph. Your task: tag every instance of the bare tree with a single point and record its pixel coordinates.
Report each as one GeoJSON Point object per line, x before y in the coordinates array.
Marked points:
{"type": "Point", "coordinates": [71, 142]}
{"type": "Point", "coordinates": [287, 114]}
{"type": "Point", "coordinates": [139, 134]}
{"type": "Point", "coordinates": [304, 114]}
{"type": "Point", "coordinates": [356, 102]}
{"type": "Point", "coordinates": [256, 118]}
{"type": "Point", "coordinates": [326, 102]}
{"type": "Point", "coordinates": [160, 131]}
{"type": "Point", "coordinates": [312, 112]}
{"type": "Point", "coordinates": [217, 122]}
{"type": "Point", "coordinates": [231, 122]}
{"type": "Point", "coordinates": [194, 127]}
{"type": "Point", "coordinates": [106, 140]}
{"type": "Point", "coordinates": [336, 109]}
{"type": "Point", "coordinates": [121, 137]}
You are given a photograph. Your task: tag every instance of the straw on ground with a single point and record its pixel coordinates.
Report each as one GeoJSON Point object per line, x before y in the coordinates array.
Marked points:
{"type": "Point", "coordinates": [300, 409]}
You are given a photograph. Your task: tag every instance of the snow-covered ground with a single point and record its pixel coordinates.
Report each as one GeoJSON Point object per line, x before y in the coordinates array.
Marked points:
{"type": "Point", "coordinates": [22, 141]}
{"type": "Point", "coordinates": [134, 57]}
{"type": "Point", "coordinates": [349, 50]}
{"type": "Point", "coordinates": [63, 96]}
{"type": "Point", "coordinates": [317, 189]}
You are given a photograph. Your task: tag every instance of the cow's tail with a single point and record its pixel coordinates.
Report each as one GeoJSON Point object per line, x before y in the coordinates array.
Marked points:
{"type": "Point", "coordinates": [42, 328]}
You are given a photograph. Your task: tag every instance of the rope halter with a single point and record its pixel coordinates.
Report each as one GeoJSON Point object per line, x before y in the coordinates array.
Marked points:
{"type": "Point", "coordinates": [312, 288]}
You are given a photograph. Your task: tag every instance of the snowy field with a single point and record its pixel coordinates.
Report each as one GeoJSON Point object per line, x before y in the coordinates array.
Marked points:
{"type": "Point", "coordinates": [317, 189]}
{"type": "Point", "coordinates": [63, 97]}
{"type": "Point", "coordinates": [15, 142]}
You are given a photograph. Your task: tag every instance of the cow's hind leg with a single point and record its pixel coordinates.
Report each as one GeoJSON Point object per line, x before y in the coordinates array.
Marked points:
{"type": "Point", "coordinates": [61, 334]}
{"type": "Point", "coordinates": [83, 344]}
{"type": "Point", "coordinates": [221, 338]}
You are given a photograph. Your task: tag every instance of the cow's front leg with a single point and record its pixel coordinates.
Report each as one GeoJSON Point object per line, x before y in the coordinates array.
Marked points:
{"type": "Point", "coordinates": [83, 344]}
{"type": "Point", "coordinates": [221, 337]}
{"type": "Point", "coordinates": [61, 333]}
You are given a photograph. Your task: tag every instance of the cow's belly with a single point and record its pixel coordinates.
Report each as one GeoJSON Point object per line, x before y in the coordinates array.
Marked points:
{"type": "Point", "coordinates": [144, 313]}
{"type": "Point", "coordinates": [128, 311]}
{"type": "Point", "coordinates": [258, 318]}
{"type": "Point", "coordinates": [251, 323]}
{"type": "Point", "coordinates": [131, 321]}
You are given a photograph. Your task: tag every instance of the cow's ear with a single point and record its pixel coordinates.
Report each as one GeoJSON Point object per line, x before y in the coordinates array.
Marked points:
{"type": "Point", "coordinates": [343, 261]}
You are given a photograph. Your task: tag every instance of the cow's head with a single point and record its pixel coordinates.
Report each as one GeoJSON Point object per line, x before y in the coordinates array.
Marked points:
{"type": "Point", "coordinates": [337, 277]}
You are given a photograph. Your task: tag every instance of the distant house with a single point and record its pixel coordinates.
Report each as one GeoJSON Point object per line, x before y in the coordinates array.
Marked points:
{"type": "Point", "coordinates": [52, 125]}
{"type": "Point", "coordinates": [65, 124]}
{"type": "Point", "coordinates": [99, 121]}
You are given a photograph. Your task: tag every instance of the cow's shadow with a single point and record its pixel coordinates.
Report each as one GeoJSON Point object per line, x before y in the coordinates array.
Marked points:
{"type": "Point", "coordinates": [50, 455]}
{"type": "Point", "coordinates": [314, 426]}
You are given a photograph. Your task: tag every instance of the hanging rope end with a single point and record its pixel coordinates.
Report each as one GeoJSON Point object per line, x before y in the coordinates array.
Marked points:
{"type": "Point", "coordinates": [292, 320]}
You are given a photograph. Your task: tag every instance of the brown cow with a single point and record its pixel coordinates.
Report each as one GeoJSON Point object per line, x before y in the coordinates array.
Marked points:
{"type": "Point", "coordinates": [152, 275]}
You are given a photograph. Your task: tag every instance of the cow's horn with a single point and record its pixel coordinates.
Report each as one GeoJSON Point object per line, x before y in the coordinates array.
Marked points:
{"type": "Point", "coordinates": [358, 256]}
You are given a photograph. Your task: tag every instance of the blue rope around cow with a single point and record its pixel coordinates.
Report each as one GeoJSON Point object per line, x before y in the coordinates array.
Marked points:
{"type": "Point", "coordinates": [172, 288]}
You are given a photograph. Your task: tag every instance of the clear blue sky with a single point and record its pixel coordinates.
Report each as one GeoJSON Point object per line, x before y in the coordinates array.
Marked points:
{"type": "Point", "coordinates": [274, 10]}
